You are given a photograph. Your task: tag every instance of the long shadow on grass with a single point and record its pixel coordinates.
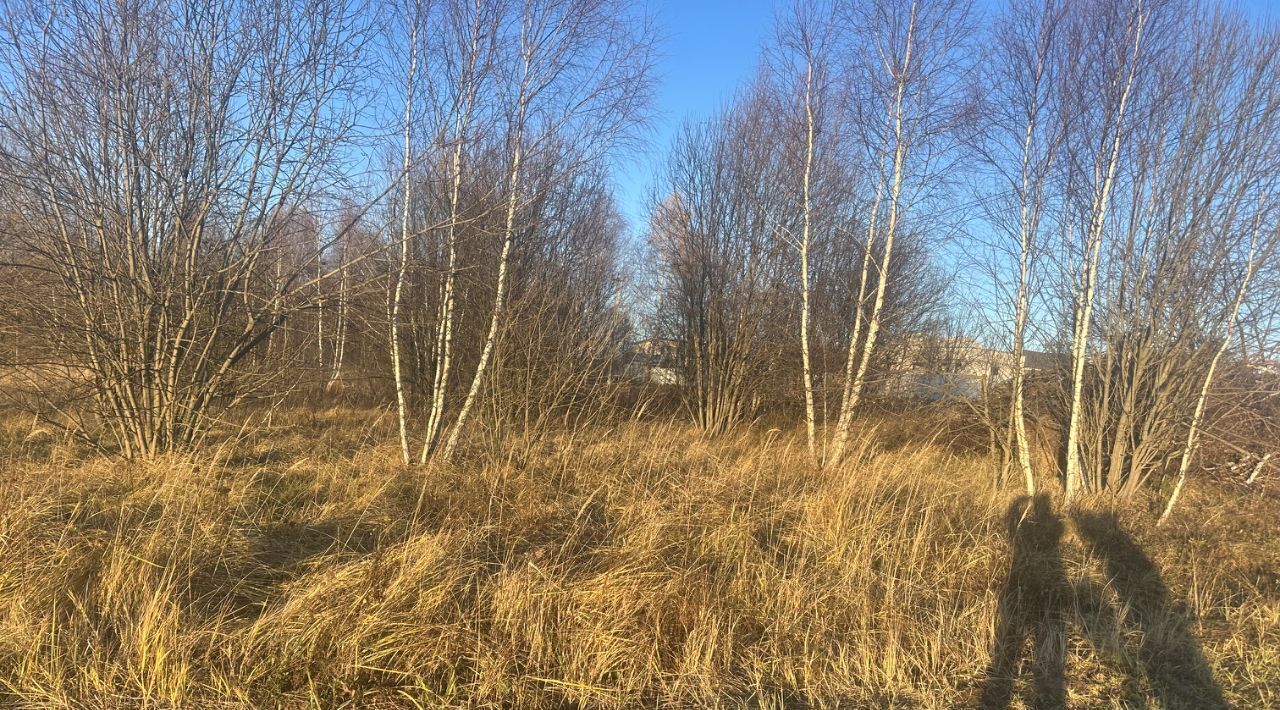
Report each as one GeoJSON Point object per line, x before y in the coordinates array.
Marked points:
{"type": "Point", "coordinates": [1032, 607]}
{"type": "Point", "coordinates": [1170, 655]}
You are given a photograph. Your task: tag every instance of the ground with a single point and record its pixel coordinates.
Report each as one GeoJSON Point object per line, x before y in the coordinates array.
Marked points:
{"type": "Point", "coordinates": [636, 564]}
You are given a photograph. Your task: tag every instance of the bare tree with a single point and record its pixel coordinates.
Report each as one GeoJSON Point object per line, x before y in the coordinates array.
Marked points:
{"type": "Point", "coordinates": [1197, 415]}
{"type": "Point", "coordinates": [756, 224]}
{"type": "Point", "coordinates": [477, 25]}
{"type": "Point", "coordinates": [580, 68]}
{"type": "Point", "coordinates": [713, 235]}
{"type": "Point", "coordinates": [805, 42]}
{"type": "Point", "coordinates": [416, 17]}
{"type": "Point", "coordinates": [1115, 39]}
{"type": "Point", "coordinates": [1186, 180]}
{"type": "Point", "coordinates": [517, 99]}
{"type": "Point", "coordinates": [156, 149]}
{"type": "Point", "coordinates": [1021, 146]}
{"type": "Point", "coordinates": [909, 65]}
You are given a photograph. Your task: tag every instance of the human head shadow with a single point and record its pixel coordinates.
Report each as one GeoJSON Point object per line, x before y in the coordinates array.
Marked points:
{"type": "Point", "coordinates": [1170, 655]}
{"type": "Point", "coordinates": [1032, 605]}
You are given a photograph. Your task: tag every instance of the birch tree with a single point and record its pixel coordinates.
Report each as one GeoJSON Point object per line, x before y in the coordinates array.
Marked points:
{"type": "Point", "coordinates": [517, 100]}
{"type": "Point", "coordinates": [415, 16]}
{"type": "Point", "coordinates": [576, 69]}
{"type": "Point", "coordinates": [1021, 147]}
{"type": "Point", "coordinates": [909, 63]}
{"type": "Point", "coordinates": [805, 42]}
{"type": "Point", "coordinates": [1118, 45]}
{"type": "Point", "coordinates": [155, 148]}
{"type": "Point", "coordinates": [1197, 415]}
{"type": "Point", "coordinates": [477, 25]}
{"type": "Point", "coordinates": [1197, 156]}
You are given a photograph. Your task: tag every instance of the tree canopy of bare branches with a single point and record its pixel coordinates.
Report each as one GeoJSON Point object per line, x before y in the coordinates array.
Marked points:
{"type": "Point", "coordinates": [162, 162]}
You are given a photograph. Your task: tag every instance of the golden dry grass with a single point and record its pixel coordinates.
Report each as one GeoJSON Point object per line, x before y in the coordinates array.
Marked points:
{"type": "Point", "coordinates": [634, 566]}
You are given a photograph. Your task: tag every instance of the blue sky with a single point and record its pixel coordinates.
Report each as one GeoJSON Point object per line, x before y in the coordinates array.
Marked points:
{"type": "Point", "coordinates": [710, 48]}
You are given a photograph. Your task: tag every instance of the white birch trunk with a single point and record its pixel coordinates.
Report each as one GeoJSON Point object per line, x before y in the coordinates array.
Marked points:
{"type": "Point", "coordinates": [508, 234]}
{"type": "Point", "coordinates": [1027, 225]}
{"type": "Point", "coordinates": [854, 384]}
{"type": "Point", "coordinates": [444, 339]}
{"type": "Point", "coordinates": [1088, 285]}
{"type": "Point", "coordinates": [340, 319]}
{"type": "Point", "coordinates": [1193, 431]}
{"type": "Point", "coordinates": [394, 308]}
{"type": "Point", "coordinates": [851, 356]}
{"type": "Point", "coordinates": [809, 419]}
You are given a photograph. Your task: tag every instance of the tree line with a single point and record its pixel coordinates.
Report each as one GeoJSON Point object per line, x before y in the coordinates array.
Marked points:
{"type": "Point", "coordinates": [1104, 172]}
{"type": "Point", "coordinates": [208, 203]}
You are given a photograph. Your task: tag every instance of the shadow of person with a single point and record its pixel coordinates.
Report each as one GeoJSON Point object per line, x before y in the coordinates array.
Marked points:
{"type": "Point", "coordinates": [1032, 606]}
{"type": "Point", "coordinates": [1170, 654]}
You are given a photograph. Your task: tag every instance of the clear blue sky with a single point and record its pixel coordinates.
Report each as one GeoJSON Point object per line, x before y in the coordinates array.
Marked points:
{"type": "Point", "coordinates": [710, 49]}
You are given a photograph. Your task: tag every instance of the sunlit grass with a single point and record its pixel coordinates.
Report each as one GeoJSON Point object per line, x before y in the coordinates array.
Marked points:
{"type": "Point", "coordinates": [637, 565]}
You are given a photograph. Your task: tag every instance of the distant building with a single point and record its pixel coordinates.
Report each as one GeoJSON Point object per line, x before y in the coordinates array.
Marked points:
{"type": "Point", "coordinates": [1265, 368]}
{"type": "Point", "coordinates": [654, 360]}
{"type": "Point", "coordinates": [937, 367]}
{"type": "Point", "coordinates": [922, 366]}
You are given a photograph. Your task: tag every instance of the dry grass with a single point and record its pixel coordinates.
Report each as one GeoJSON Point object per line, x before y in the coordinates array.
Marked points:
{"type": "Point", "coordinates": [634, 566]}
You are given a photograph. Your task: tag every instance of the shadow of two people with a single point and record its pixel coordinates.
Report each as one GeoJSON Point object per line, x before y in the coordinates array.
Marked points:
{"type": "Point", "coordinates": [1036, 599]}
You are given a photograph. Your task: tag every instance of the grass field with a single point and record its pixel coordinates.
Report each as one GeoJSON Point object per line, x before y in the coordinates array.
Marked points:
{"type": "Point", "coordinates": [633, 566]}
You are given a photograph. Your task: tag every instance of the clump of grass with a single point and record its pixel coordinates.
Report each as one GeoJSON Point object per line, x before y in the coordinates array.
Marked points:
{"type": "Point", "coordinates": [638, 565]}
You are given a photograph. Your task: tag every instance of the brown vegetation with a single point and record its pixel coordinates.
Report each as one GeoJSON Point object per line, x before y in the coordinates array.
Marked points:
{"type": "Point", "coordinates": [635, 565]}
{"type": "Point", "coordinates": [332, 373]}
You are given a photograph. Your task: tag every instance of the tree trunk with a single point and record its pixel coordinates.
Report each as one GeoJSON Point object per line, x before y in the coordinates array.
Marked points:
{"type": "Point", "coordinates": [1193, 431]}
{"type": "Point", "coordinates": [1093, 247]}
{"type": "Point", "coordinates": [394, 308]}
{"type": "Point", "coordinates": [508, 234]}
{"type": "Point", "coordinates": [854, 387]}
{"type": "Point", "coordinates": [809, 419]}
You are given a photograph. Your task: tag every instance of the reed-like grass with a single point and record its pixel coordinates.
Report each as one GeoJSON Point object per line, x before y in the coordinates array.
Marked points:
{"type": "Point", "coordinates": [634, 566]}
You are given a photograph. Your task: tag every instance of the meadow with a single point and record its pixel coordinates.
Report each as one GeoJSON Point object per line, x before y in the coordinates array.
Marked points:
{"type": "Point", "coordinates": [632, 565]}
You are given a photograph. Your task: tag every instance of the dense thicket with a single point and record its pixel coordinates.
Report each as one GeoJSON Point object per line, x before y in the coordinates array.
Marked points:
{"type": "Point", "coordinates": [210, 202]}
